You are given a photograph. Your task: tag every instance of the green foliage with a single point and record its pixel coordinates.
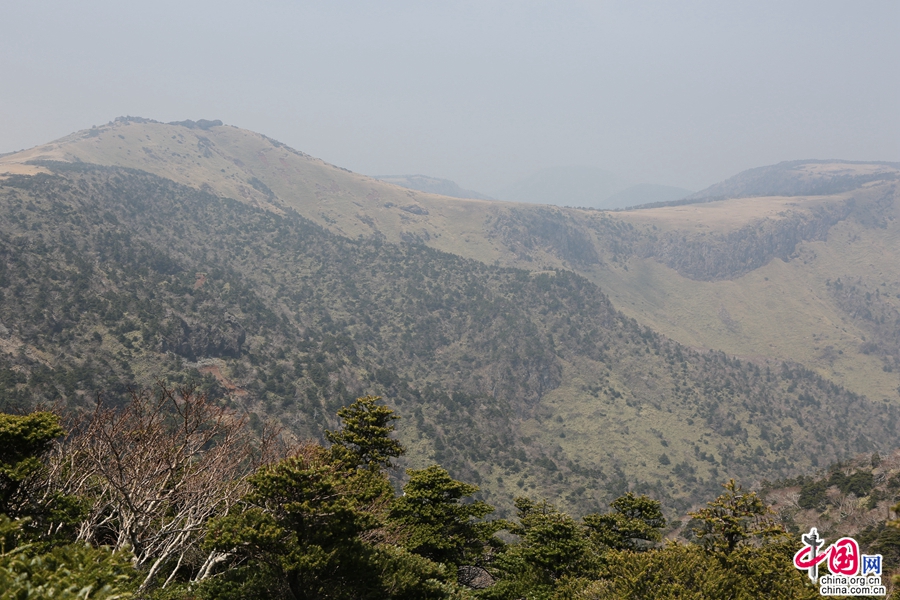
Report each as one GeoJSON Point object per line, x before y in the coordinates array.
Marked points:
{"type": "Point", "coordinates": [325, 523]}
{"type": "Point", "coordinates": [859, 483]}
{"type": "Point", "coordinates": [23, 439]}
{"type": "Point", "coordinates": [364, 438]}
{"type": "Point", "coordinates": [436, 521]}
{"type": "Point", "coordinates": [881, 539]}
{"type": "Point", "coordinates": [304, 516]}
{"type": "Point", "coordinates": [387, 572]}
{"type": "Point", "coordinates": [408, 576]}
{"type": "Point", "coordinates": [812, 494]}
{"type": "Point", "coordinates": [552, 546]}
{"type": "Point", "coordinates": [311, 525]}
{"type": "Point", "coordinates": [42, 515]}
{"type": "Point", "coordinates": [734, 519]}
{"type": "Point", "coordinates": [70, 572]}
{"type": "Point", "coordinates": [552, 542]}
{"type": "Point", "coordinates": [688, 572]}
{"type": "Point", "coordinates": [634, 524]}
{"type": "Point", "coordinates": [301, 321]}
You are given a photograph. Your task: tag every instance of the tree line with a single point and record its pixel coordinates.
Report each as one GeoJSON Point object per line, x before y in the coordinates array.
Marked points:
{"type": "Point", "coordinates": [171, 495]}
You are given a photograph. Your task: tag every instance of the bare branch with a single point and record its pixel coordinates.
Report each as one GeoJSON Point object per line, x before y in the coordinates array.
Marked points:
{"type": "Point", "coordinates": [156, 471]}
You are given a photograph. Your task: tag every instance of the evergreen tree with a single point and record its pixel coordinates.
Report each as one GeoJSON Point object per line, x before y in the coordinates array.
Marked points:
{"type": "Point", "coordinates": [364, 438]}
{"type": "Point", "coordinates": [313, 525]}
{"type": "Point", "coordinates": [689, 572]}
{"type": "Point", "coordinates": [302, 524]}
{"type": "Point", "coordinates": [732, 519]}
{"type": "Point", "coordinates": [23, 440]}
{"type": "Point", "coordinates": [552, 546]}
{"type": "Point", "coordinates": [634, 524]}
{"type": "Point", "coordinates": [437, 521]}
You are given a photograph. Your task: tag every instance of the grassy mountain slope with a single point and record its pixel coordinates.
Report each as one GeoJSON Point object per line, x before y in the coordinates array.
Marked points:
{"type": "Point", "coordinates": [789, 305]}
{"type": "Point", "coordinates": [249, 167]}
{"type": "Point", "coordinates": [799, 178]}
{"type": "Point", "coordinates": [747, 276]}
{"type": "Point", "coordinates": [518, 381]}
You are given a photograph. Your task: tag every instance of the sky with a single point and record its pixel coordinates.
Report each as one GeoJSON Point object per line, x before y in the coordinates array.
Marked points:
{"type": "Point", "coordinates": [484, 93]}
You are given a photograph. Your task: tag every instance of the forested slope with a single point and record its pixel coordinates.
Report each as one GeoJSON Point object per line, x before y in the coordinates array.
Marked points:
{"type": "Point", "coordinates": [748, 274]}
{"type": "Point", "coordinates": [514, 380]}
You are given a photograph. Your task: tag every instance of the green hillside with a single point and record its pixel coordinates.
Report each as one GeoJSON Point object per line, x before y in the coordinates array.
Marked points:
{"type": "Point", "coordinates": [750, 276]}
{"type": "Point", "coordinates": [516, 380]}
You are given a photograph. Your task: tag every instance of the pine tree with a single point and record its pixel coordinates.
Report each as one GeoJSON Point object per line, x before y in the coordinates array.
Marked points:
{"type": "Point", "coordinates": [364, 438]}
{"type": "Point", "coordinates": [436, 520]}
{"type": "Point", "coordinates": [634, 524]}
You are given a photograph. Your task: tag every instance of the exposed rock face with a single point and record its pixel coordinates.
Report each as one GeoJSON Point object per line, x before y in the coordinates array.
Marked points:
{"type": "Point", "coordinates": [415, 209]}
{"type": "Point", "coordinates": [523, 231]}
{"type": "Point", "coordinates": [730, 255]}
{"type": "Point", "coordinates": [199, 124]}
{"type": "Point", "coordinates": [708, 258]}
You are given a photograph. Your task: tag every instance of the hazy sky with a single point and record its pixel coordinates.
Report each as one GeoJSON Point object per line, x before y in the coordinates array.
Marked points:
{"type": "Point", "coordinates": [484, 93]}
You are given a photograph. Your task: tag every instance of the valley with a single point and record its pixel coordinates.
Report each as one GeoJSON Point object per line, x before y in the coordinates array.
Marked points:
{"type": "Point", "coordinates": [561, 352]}
{"type": "Point", "coordinates": [746, 275]}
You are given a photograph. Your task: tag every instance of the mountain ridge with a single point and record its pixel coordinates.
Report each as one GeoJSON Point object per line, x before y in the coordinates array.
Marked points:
{"type": "Point", "coordinates": [433, 185]}
{"type": "Point", "coordinates": [534, 379]}
{"type": "Point", "coordinates": [772, 180]}
{"type": "Point", "coordinates": [749, 275]}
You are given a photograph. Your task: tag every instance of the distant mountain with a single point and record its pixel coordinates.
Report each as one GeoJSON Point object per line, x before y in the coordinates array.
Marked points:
{"type": "Point", "coordinates": [432, 185]}
{"type": "Point", "coordinates": [566, 186]}
{"type": "Point", "coordinates": [645, 193]}
{"type": "Point", "coordinates": [800, 178]}
{"type": "Point", "coordinates": [587, 187]}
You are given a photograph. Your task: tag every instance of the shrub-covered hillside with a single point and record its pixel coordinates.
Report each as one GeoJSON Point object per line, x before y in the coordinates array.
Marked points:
{"type": "Point", "coordinates": [517, 381]}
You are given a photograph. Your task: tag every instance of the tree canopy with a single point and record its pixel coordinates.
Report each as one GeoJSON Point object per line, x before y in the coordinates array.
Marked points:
{"type": "Point", "coordinates": [319, 522]}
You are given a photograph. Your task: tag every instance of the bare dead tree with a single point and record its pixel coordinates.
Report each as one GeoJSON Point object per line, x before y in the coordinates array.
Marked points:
{"type": "Point", "coordinates": [155, 471]}
{"type": "Point", "coordinates": [793, 499]}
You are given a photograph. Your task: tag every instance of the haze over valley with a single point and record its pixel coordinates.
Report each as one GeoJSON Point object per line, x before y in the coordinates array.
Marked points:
{"type": "Point", "coordinates": [459, 301]}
